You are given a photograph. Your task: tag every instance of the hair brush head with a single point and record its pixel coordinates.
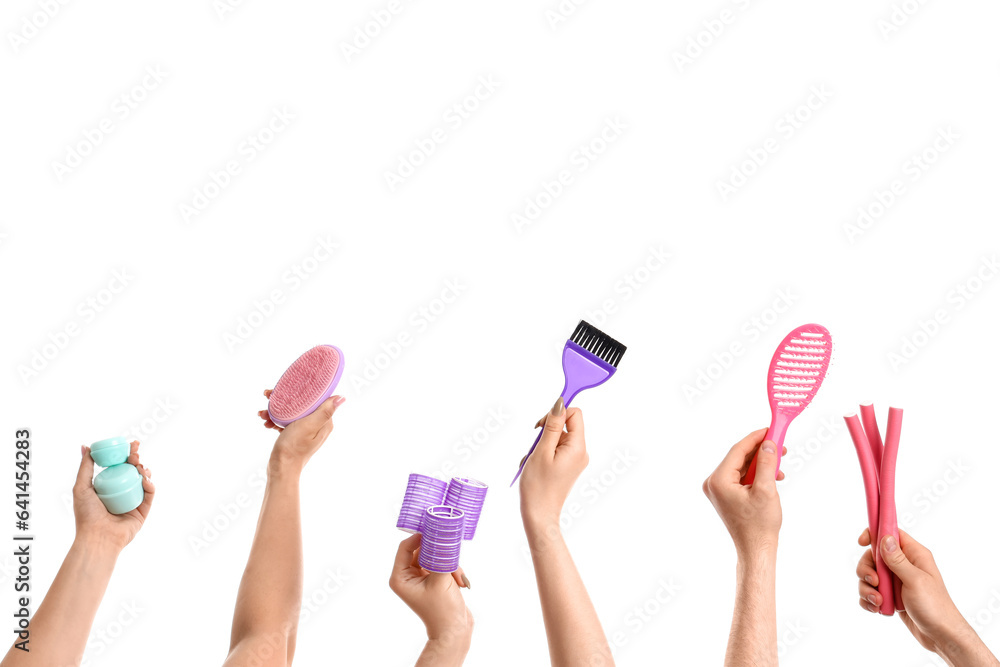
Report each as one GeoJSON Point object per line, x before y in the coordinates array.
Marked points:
{"type": "Point", "coordinates": [798, 368]}
{"type": "Point", "coordinates": [310, 380]}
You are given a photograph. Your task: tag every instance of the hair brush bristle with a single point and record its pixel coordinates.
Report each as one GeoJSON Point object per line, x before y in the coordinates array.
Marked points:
{"type": "Point", "coordinates": [598, 343]}
{"type": "Point", "coordinates": [799, 367]}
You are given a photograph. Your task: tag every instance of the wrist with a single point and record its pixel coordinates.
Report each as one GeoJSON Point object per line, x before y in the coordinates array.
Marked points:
{"type": "Point", "coordinates": [541, 526]}
{"type": "Point", "coordinates": [98, 544]}
{"type": "Point", "coordinates": [757, 551]}
{"type": "Point", "coordinates": [281, 466]}
{"type": "Point", "coordinates": [957, 642]}
{"type": "Point", "coordinates": [756, 558]}
{"type": "Point", "coordinates": [447, 648]}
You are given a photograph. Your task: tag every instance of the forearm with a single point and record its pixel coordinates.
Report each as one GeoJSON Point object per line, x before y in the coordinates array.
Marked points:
{"type": "Point", "coordinates": [962, 647]}
{"type": "Point", "coordinates": [61, 625]}
{"type": "Point", "coordinates": [574, 631]}
{"type": "Point", "coordinates": [753, 638]}
{"type": "Point", "coordinates": [270, 593]}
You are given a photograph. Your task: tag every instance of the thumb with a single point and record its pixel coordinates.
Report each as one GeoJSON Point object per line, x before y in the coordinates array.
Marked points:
{"type": "Point", "coordinates": [553, 428]}
{"type": "Point", "coordinates": [85, 475]}
{"type": "Point", "coordinates": [767, 467]}
{"type": "Point", "coordinates": [896, 560]}
{"type": "Point", "coordinates": [321, 416]}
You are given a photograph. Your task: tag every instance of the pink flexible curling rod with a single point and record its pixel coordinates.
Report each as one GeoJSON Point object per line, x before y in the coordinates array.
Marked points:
{"type": "Point", "coordinates": [870, 474]}
{"type": "Point", "coordinates": [887, 493]}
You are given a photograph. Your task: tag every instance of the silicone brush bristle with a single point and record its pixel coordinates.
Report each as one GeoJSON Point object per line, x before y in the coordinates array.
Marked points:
{"type": "Point", "coordinates": [598, 343]}
{"type": "Point", "coordinates": [304, 383]}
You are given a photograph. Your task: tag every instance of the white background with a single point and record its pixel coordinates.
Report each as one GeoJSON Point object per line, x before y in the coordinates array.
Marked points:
{"type": "Point", "coordinates": [654, 189]}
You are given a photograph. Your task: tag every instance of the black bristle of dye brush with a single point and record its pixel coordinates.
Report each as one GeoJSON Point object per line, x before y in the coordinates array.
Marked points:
{"type": "Point", "coordinates": [598, 343]}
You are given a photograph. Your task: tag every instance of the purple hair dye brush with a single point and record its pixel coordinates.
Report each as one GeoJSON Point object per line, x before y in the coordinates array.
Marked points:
{"type": "Point", "coordinates": [590, 357]}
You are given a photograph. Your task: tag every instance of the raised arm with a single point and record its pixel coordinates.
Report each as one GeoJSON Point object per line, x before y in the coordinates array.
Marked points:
{"type": "Point", "coordinates": [266, 619]}
{"type": "Point", "coordinates": [752, 514]}
{"type": "Point", "coordinates": [61, 625]}
{"type": "Point", "coordinates": [571, 623]}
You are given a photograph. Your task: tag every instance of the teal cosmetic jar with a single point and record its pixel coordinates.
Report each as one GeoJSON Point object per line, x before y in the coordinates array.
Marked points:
{"type": "Point", "coordinates": [119, 485]}
{"type": "Point", "coordinates": [110, 451]}
{"type": "Point", "coordinates": [119, 488]}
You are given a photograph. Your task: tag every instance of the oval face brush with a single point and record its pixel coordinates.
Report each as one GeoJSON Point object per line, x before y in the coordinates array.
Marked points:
{"type": "Point", "coordinates": [797, 370]}
{"type": "Point", "coordinates": [310, 380]}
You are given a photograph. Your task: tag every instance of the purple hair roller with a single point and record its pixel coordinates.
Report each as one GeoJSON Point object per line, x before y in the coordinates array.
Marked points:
{"type": "Point", "coordinates": [467, 495]}
{"type": "Point", "coordinates": [443, 530]}
{"type": "Point", "coordinates": [422, 492]}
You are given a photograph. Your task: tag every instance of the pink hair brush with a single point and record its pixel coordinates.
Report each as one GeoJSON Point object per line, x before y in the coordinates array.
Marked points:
{"type": "Point", "coordinates": [797, 370]}
{"type": "Point", "coordinates": [310, 380]}
{"type": "Point", "coordinates": [878, 469]}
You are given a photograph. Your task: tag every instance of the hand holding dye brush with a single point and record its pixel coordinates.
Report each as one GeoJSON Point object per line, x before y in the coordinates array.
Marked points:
{"type": "Point", "coordinates": [436, 599]}
{"type": "Point", "coordinates": [931, 616]}
{"type": "Point", "coordinates": [547, 481]}
{"type": "Point", "coordinates": [571, 623]}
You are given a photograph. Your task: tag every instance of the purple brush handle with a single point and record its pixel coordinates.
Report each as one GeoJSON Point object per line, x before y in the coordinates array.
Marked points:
{"type": "Point", "coordinates": [535, 443]}
{"type": "Point", "coordinates": [582, 370]}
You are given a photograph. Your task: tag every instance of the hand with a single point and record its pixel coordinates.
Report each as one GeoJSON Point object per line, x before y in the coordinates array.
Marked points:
{"type": "Point", "coordinates": [554, 467]}
{"type": "Point", "coordinates": [263, 414]}
{"type": "Point", "coordinates": [435, 598]}
{"type": "Point", "coordinates": [93, 520]}
{"type": "Point", "coordinates": [298, 441]}
{"type": "Point", "coordinates": [752, 514]}
{"type": "Point", "coordinates": [930, 614]}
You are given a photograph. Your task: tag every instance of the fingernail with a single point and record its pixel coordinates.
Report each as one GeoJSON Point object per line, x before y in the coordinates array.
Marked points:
{"type": "Point", "coordinates": [338, 400]}
{"type": "Point", "coordinates": [539, 422]}
{"type": "Point", "coordinates": [557, 409]}
{"type": "Point", "coordinates": [768, 447]}
{"type": "Point", "coordinates": [890, 544]}
{"type": "Point", "coordinates": [83, 450]}
{"type": "Point", "coordinates": [465, 580]}
{"type": "Point", "coordinates": [869, 580]}
{"type": "Point", "coordinates": [871, 598]}
{"type": "Point", "coordinates": [872, 608]}
{"type": "Point", "coordinates": [522, 461]}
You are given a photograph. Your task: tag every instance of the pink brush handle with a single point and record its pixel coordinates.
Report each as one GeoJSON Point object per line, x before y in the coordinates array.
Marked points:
{"type": "Point", "coordinates": [776, 434]}
{"type": "Point", "coordinates": [871, 430]}
{"type": "Point", "coordinates": [887, 494]}
{"type": "Point", "coordinates": [869, 472]}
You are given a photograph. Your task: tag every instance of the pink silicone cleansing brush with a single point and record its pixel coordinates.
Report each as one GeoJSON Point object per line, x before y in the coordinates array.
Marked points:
{"type": "Point", "coordinates": [797, 370]}
{"type": "Point", "coordinates": [309, 381]}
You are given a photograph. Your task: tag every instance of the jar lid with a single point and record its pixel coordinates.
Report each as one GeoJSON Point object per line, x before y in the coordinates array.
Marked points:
{"type": "Point", "coordinates": [108, 443]}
